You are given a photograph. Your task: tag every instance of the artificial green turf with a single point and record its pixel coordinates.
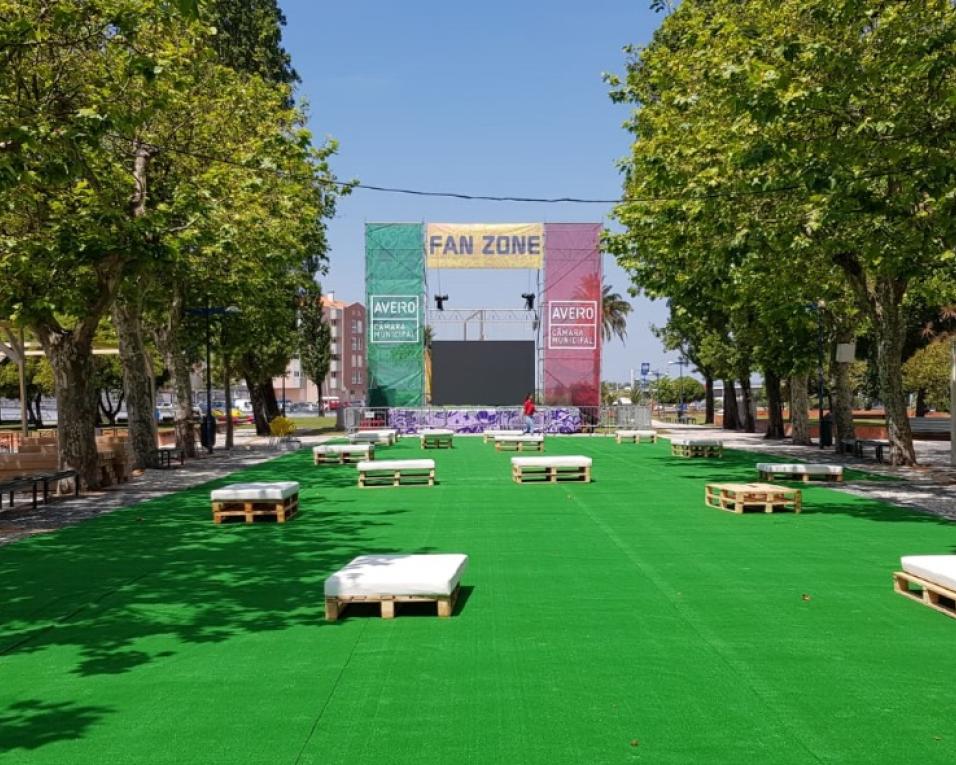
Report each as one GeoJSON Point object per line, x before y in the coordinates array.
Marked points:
{"type": "Point", "coordinates": [606, 623]}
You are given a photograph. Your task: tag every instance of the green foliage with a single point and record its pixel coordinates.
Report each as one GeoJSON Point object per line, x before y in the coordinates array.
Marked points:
{"type": "Point", "coordinates": [38, 375]}
{"type": "Point", "coordinates": [929, 370]}
{"type": "Point", "coordinates": [282, 427]}
{"type": "Point", "coordinates": [673, 390]}
{"type": "Point", "coordinates": [614, 312]}
{"type": "Point", "coordinates": [315, 336]}
{"type": "Point", "coordinates": [249, 38]}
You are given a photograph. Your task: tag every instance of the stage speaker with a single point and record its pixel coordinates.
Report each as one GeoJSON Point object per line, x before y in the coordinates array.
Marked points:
{"type": "Point", "coordinates": [482, 372]}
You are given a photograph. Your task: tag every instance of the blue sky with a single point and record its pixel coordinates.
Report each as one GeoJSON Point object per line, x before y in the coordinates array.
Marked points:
{"type": "Point", "coordinates": [501, 98]}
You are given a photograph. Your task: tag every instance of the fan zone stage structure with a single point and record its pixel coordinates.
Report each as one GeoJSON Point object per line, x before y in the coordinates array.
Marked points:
{"type": "Point", "coordinates": [566, 354]}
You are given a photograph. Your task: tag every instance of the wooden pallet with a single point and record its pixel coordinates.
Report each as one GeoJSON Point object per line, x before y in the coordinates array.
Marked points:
{"type": "Point", "coordinates": [550, 474]}
{"type": "Point", "coordinates": [282, 510]}
{"type": "Point", "coordinates": [378, 478]}
{"type": "Point", "coordinates": [635, 439]}
{"type": "Point", "coordinates": [519, 446]}
{"type": "Point", "coordinates": [443, 441]}
{"type": "Point", "coordinates": [696, 450]}
{"type": "Point", "coordinates": [738, 497]}
{"type": "Point", "coordinates": [335, 605]}
{"type": "Point", "coordinates": [343, 458]}
{"type": "Point", "coordinates": [804, 477]}
{"type": "Point", "coordinates": [935, 596]}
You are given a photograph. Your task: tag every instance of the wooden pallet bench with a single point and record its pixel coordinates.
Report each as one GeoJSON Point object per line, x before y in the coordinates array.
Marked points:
{"type": "Point", "coordinates": [437, 438]}
{"type": "Point", "coordinates": [391, 579]}
{"type": "Point", "coordinates": [697, 447]}
{"type": "Point", "coordinates": [739, 497]}
{"type": "Point", "coordinates": [934, 577]}
{"type": "Point", "coordinates": [489, 436]}
{"type": "Point", "coordinates": [804, 471]}
{"type": "Point", "coordinates": [255, 500]}
{"type": "Point", "coordinates": [531, 442]}
{"type": "Point", "coordinates": [551, 469]}
{"type": "Point", "coordinates": [385, 437]}
{"type": "Point", "coordinates": [635, 436]}
{"type": "Point", "coordinates": [380, 473]}
{"type": "Point", "coordinates": [341, 454]}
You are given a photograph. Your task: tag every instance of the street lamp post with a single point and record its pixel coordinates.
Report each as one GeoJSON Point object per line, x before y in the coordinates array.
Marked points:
{"type": "Point", "coordinates": [681, 361]}
{"type": "Point", "coordinates": [818, 307]}
{"type": "Point", "coordinates": [207, 428]}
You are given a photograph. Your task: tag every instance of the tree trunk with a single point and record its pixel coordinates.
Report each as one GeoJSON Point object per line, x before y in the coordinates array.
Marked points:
{"type": "Point", "coordinates": [708, 399]}
{"type": "Point", "coordinates": [775, 426]}
{"type": "Point", "coordinates": [72, 363]}
{"type": "Point", "coordinates": [731, 419]}
{"type": "Point", "coordinates": [842, 405]}
{"type": "Point", "coordinates": [227, 391]}
{"type": "Point", "coordinates": [750, 426]}
{"type": "Point", "coordinates": [138, 382]}
{"type": "Point", "coordinates": [799, 410]}
{"type": "Point", "coordinates": [921, 408]}
{"type": "Point", "coordinates": [170, 342]}
{"type": "Point", "coordinates": [258, 407]}
{"type": "Point", "coordinates": [889, 347]}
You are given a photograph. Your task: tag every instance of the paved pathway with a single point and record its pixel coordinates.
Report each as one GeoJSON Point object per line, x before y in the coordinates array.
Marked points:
{"type": "Point", "coordinates": [929, 488]}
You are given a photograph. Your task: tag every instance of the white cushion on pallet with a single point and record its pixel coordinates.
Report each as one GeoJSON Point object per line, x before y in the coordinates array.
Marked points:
{"type": "Point", "coordinates": [639, 433]}
{"type": "Point", "coordinates": [799, 468]}
{"type": "Point", "coordinates": [367, 467]}
{"type": "Point", "coordinates": [563, 461]}
{"type": "Point", "coordinates": [938, 569]}
{"type": "Point", "coordinates": [498, 433]}
{"type": "Point", "coordinates": [529, 438]}
{"type": "Point", "coordinates": [343, 448]}
{"type": "Point", "coordinates": [437, 574]}
{"type": "Point", "coordinates": [254, 492]}
{"type": "Point", "coordinates": [436, 432]}
{"type": "Point", "coordinates": [697, 442]}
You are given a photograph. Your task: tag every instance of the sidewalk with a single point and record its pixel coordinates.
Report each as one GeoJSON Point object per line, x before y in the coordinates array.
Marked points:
{"type": "Point", "coordinates": [930, 487]}
{"type": "Point", "coordinates": [23, 520]}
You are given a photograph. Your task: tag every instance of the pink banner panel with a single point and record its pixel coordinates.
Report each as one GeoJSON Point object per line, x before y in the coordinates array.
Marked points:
{"type": "Point", "coordinates": [572, 307]}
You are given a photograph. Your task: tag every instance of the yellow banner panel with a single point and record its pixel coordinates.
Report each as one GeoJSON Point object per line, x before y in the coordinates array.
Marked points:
{"type": "Point", "coordinates": [484, 245]}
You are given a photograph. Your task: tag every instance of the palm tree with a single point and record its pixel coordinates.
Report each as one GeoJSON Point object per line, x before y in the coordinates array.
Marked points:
{"type": "Point", "coordinates": [614, 311]}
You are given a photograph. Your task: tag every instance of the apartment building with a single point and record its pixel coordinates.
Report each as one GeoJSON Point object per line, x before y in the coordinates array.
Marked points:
{"type": "Point", "coordinates": [346, 381]}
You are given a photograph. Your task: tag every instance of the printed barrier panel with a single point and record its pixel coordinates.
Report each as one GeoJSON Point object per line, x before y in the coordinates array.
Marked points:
{"type": "Point", "coordinates": [572, 307]}
{"type": "Point", "coordinates": [395, 286]}
{"type": "Point", "coordinates": [484, 245]}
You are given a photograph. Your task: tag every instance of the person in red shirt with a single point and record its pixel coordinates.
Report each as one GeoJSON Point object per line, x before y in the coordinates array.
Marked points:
{"type": "Point", "coordinates": [529, 414]}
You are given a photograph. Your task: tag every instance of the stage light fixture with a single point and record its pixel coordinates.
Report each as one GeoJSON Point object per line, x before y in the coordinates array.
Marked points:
{"type": "Point", "coordinates": [528, 300]}
{"type": "Point", "coordinates": [440, 302]}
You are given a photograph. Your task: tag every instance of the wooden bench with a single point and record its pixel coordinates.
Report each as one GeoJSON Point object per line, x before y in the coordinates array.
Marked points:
{"type": "Point", "coordinates": [380, 473]}
{"type": "Point", "coordinates": [390, 579]}
{"type": "Point", "coordinates": [33, 484]}
{"type": "Point", "coordinates": [164, 456]}
{"type": "Point", "coordinates": [491, 435]}
{"type": "Point", "coordinates": [934, 577]}
{"type": "Point", "coordinates": [255, 500]}
{"type": "Point", "coordinates": [551, 469]}
{"type": "Point", "coordinates": [768, 471]}
{"type": "Point", "coordinates": [697, 447]}
{"type": "Point", "coordinates": [635, 436]}
{"type": "Point", "coordinates": [530, 442]}
{"type": "Point", "coordinates": [437, 439]}
{"type": "Point", "coordinates": [738, 497]}
{"type": "Point", "coordinates": [341, 454]}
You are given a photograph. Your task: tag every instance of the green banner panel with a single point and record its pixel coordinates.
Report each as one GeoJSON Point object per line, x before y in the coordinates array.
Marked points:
{"type": "Point", "coordinates": [395, 302]}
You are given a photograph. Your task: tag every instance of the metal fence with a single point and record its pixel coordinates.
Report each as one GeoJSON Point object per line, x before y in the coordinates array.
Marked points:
{"type": "Point", "coordinates": [548, 419]}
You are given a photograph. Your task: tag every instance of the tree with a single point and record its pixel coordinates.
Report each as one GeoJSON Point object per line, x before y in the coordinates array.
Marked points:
{"type": "Point", "coordinates": [614, 312]}
{"type": "Point", "coordinates": [927, 373]}
{"type": "Point", "coordinates": [315, 337]}
{"type": "Point", "coordinates": [39, 383]}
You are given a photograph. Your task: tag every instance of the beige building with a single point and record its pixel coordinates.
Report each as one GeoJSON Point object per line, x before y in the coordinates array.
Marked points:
{"type": "Point", "coordinates": [347, 380]}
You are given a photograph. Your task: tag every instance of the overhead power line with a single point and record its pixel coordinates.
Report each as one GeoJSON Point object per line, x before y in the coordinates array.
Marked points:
{"type": "Point", "coordinates": [684, 196]}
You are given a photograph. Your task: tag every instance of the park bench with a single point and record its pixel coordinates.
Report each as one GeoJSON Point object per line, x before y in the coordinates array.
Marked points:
{"type": "Point", "coordinates": [804, 471]}
{"type": "Point", "coordinates": [342, 453]}
{"type": "Point", "coordinates": [934, 577]}
{"type": "Point", "coordinates": [697, 447]}
{"type": "Point", "coordinates": [380, 473]}
{"type": "Point", "coordinates": [491, 435]}
{"type": "Point", "coordinates": [390, 579]}
{"type": "Point", "coordinates": [533, 442]}
{"type": "Point", "coordinates": [437, 438]}
{"type": "Point", "coordinates": [255, 500]}
{"type": "Point", "coordinates": [635, 436]}
{"type": "Point", "coordinates": [930, 428]}
{"type": "Point", "coordinates": [164, 456]}
{"type": "Point", "coordinates": [738, 497]}
{"type": "Point", "coordinates": [33, 484]}
{"type": "Point", "coordinates": [551, 469]}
